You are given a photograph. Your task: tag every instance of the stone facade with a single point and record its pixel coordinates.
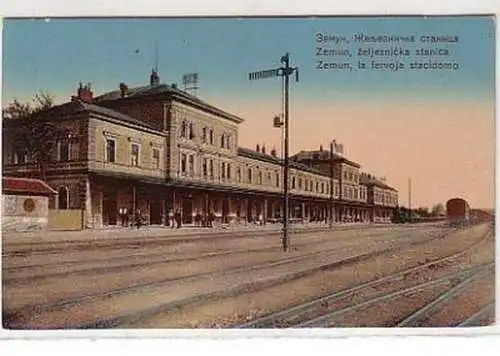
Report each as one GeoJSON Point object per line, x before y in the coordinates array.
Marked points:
{"type": "Point", "coordinates": [157, 150]}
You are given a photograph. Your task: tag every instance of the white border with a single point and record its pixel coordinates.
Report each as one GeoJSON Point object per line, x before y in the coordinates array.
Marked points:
{"type": "Point", "coordinates": [281, 338]}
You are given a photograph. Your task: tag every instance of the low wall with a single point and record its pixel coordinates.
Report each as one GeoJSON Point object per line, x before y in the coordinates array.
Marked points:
{"type": "Point", "coordinates": [65, 219]}
{"type": "Point", "coordinates": [24, 213]}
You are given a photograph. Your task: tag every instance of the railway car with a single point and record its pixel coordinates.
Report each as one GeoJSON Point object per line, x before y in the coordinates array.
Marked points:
{"type": "Point", "coordinates": [457, 212]}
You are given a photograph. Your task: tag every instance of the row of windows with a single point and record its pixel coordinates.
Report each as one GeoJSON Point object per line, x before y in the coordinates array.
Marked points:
{"type": "Point", "coordinates": [110, 154]}
{"type": "Point", "coordinates": [20, 155]}
{"type": "Point", "coordinates": [310, 185]}
{"type": "Point", "coordinates": [207, 135]}
{"type": "Point", "coordinates": [386, 199]}
{"type": "Point", "coordinates": [352, 177]}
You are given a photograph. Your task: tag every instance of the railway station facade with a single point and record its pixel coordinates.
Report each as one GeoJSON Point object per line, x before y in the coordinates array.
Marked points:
{"type": "Point", "coordinates": [160, 150]}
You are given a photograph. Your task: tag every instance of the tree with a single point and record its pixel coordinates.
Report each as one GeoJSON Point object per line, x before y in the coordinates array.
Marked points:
{"type": "Point", "coordinates": [438, 210]}
{"type": "Point", "coordinates": [33, 130]}
{"type": "Point", "coordinates": [423, 212]}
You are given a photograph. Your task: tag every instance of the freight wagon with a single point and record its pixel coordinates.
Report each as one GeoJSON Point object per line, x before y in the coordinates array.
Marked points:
{"type": "Point", "coordinates": [458, 212]}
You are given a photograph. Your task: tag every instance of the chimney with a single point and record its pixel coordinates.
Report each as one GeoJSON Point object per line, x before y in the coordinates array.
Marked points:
{"type": "Point", "coordinates": [123, 89]}
{"type": "Point", "coordinates": [154, 78]}
{"type": "Point", "coordinates": [84, 93]}
{"type": "Point", "coordinates": [321, 148]}
{"type": "Point", "coordinates": [273, 152]}
{"type": "Point", "coordinates": [174, 85]}
{"type": "Point", "coordinates": [263, 148]}
{"type": "Point", "coordinates": [257, 148]}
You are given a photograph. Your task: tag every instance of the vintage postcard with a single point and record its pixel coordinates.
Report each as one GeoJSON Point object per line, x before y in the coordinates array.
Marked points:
{"type": "Point", "coordinates": [245, 173]}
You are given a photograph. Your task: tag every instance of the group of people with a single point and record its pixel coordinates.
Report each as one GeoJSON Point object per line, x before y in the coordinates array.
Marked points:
{"type": "Point", "coordinates": [198, 220]}
{"type": "Point", "coordinates": [135, 220]}
{"type": "Point", "coordinates": [129, 219]}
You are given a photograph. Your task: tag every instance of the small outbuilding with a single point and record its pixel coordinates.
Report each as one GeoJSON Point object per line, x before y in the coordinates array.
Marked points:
{"type": "Point", "coordinates": [25, 204]}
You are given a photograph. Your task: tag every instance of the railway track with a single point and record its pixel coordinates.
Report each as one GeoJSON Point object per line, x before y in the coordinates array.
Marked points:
{"type": "Point", "coordinates": [459, 280]}
{"type": "Point", "coordinates": [35, 247]}
{"type": "Point", "coordinates": [478, 317]}
{"type": "Point", "coordinates": [316, 312]}
{"type": "Point", "coordinates": [22, 274]}
{"type": "Point", "coordinates": [18, 317]}
{"type": "Point", "coordinates": [420, 316]}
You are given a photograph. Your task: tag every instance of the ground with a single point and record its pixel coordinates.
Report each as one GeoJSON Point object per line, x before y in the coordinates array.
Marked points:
{"type": "Point", "coordinates": [163, 278]}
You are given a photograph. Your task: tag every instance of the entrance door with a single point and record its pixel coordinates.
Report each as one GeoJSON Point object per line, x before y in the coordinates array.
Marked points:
{"type": "Point", "coordinates": [155, 212]}
{"type": "Point", "coordinates": [187, 211]}
{"type": "Point", "coordinates": [109, 208]}
{"type": "Point", "coordinates": [225, 210]}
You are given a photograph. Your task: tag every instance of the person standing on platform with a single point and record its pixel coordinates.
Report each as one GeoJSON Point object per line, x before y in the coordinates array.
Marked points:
{"type": "Point", "coordinates": [138, 218]}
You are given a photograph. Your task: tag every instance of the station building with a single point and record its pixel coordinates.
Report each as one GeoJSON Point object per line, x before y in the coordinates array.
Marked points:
{"type": "Point", "coordinates": [161, 150]}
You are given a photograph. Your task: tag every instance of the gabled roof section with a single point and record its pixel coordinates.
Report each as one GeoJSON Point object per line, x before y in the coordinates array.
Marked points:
{"type": "Point", "coordinates": [246, 152]}
{"type": "Point", "coordinates": [172, 91]}
{"type": "Point", "coordinates": [77, 106]}
{"type": "Point", "coordinates": [367, 179]}
{"type": "Point", "coordinates": [322, 155]}
{"type": "Point", "coordinates": [25, 186]}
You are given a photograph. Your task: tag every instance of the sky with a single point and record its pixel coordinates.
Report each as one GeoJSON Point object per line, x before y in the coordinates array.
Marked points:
{"type": "Point", "coordinates": [435, 126]}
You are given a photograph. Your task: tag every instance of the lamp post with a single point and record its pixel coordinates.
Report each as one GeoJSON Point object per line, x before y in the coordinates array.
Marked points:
{"type": "Point", "coordinates": [284, 71]}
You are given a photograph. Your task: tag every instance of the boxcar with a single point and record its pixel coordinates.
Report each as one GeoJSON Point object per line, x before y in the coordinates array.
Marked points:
{"type": "Point", "coordinates": [457, 212]}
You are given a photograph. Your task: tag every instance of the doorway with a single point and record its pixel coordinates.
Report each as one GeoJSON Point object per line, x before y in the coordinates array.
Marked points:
{"type": "Point", "coordinates": [155, 213]}
{"type": "Point", "coordinates": [109, 208]}
{"type": "Point", "coordinates": [187, 211]}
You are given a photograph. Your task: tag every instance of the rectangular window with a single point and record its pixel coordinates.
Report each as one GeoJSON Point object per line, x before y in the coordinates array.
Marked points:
{"type": "Point", "coordinates": [183, 162]}
{"type": "Point", "coordinates": [249, 175]}
{"type": "Point", "coordinates": [191, 131]}
{"type": "Point", "coordinates": [269, 179]}
{"type": "Point", "coordinates": [20, 156]}
{"type": "Point", "coordinates": [277, 179]}
{"type": "Point", "coordinates": [223, 141]}
{"type": "Point", "coordinates": [134, 155]}
{"type": "Point", "coordinates": [156, 158]}
{"type": "Point", "coordinates": [239, 174]}
{"type": "Point", "coordinates": [183, 129]}
{"type": "Point", "coordinates": [317, 187]}
{"type": "Point", "coordinates": [205, 167]}
{"type": "Point", "coordinates": [191, 165]}
{"type": "Point", "coordinates": [223, 170]}
{"type": "Point", "coordinates": [322, 187]}
{"type": "Point", "coordinates": [211, 168]}
{"type": "Point", "coordinates": [110, 150]}
{"type": "Point", "coordinates": [211, 134]}
{"type": "Point", "coordinates": [260, 177]}
{"type": "Point", "coordinates": [293, 182]}
{"type": "Point", "coordinates": [300, 183]}
{"type": "Point", "coordinates": [64, 151]}
{"type": "Point", "coordinates": [228, 171]}
{"type": "Point", "coordinates": [204, 135]}
{"type": "Point", "coordinates": [228, 141]}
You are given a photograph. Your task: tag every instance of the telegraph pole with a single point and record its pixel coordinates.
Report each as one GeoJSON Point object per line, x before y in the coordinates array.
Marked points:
{"type": "Point", "coordinates": [331, 183]}
{"type": "Point", "coordinates": [409, 199]}
{"type": "Point", "coordinates": [284, 71]}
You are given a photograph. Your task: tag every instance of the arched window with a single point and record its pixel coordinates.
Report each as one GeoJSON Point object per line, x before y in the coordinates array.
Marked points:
{"type": "Point", "coordinates": [63, 198]}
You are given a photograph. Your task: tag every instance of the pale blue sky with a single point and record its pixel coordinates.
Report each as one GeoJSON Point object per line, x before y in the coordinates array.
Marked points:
{"type": "Point", "coordinates": [56, 55]}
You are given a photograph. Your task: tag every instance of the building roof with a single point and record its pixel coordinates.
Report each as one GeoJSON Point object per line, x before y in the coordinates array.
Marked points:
{"type": "Point", "coordinates": [26, 186]}
{"type": "Point", "coordinates": [322, 155]}
{"type": "Point", "coordinates": [148, 90]}
{"type": "Point", "coordinates": [367, 179]}
{"type": "Point", "coordinates": [246, 152]}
